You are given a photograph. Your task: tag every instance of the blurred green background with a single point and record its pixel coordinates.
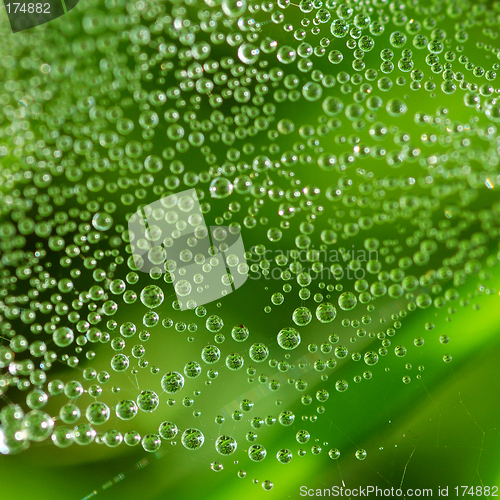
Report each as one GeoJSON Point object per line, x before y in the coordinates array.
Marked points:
{"type": "Point", "coordinates": [439, 430]}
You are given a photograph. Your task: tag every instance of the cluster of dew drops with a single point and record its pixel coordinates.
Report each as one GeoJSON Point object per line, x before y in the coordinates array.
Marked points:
{"type": "Point", "coordinates": [314, 125]}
